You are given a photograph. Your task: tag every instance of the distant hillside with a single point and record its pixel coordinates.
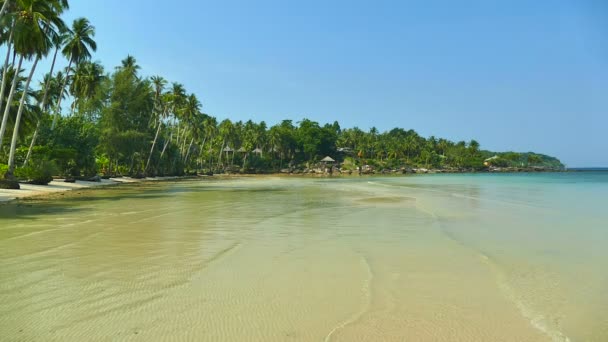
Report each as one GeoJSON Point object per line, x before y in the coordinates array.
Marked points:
{"type": "Point", "coordinates": [525, 159]}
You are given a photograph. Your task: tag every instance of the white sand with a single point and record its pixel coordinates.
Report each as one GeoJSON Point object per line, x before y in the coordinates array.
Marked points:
{"type": "Point", "coordinates": [58, 185]}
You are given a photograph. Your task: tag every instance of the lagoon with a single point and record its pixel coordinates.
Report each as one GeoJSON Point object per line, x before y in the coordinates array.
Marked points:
{"type": "Point", "coordinates": [478, 257]}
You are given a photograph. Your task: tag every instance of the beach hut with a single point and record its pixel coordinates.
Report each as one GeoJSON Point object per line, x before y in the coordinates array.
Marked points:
{"type": "Point", "coordinates": [326, 160]}
{"type": "Point", "coordinates": [242, 150]}
{"type": "Point", "coordinates": [257, 151]}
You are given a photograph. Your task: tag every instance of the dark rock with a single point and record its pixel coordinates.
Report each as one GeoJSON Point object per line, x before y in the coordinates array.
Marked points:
{"type": "Point", "coordinates": [95, 178]}
{"type": "Point", "coordinates": [9, 184]}
{"type": "Point", "coordinates": [70, 180]}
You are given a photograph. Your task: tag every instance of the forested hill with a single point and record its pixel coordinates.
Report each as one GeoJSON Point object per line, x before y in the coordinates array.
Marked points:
{"type": "Point", "coordinates": [85, 119]}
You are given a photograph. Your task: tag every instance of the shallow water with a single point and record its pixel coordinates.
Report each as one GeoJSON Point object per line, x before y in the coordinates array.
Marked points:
{"type": "Point", "coordinates": [437, 257]}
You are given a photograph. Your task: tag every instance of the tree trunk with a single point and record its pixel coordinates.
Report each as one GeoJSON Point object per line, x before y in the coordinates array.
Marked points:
{"type": "Point", "coordinates": [163, 151]}
{"type": "Point", "coordinates": [42, 105]}
{"type": "Point", "coordinates": [73, 108]}
{"type": "Point", "coordinates": [182, 149]}
{"type": "Point", "coordinates": [219, 158]}
{"type": "Point", "coordinates": [11, 156]}
{"type": "Point", "coordinates": [5, 68]}
{"type": "Point", "coordinates": [4, 8]}
{"type": "Point", "coordinates": [9, 100]}
{"type": "Point", "coordinates": [65, 82]}
{"type": "Point", "coordinates": [153, 144]}
{"type": "Point", "coordinates": [188, 151]}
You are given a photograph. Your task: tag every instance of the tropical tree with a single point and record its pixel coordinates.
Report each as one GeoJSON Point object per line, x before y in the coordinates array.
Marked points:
{"type": "Point", "coordinates": [78, 46]}
{"type": "Point", "coordinates": [158, 112]}
{"type": "Point", "coordinates": [33, 25]}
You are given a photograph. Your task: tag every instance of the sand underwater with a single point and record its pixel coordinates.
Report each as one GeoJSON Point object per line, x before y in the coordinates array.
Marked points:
{"type": "Point", "coordinates": [419, 258]}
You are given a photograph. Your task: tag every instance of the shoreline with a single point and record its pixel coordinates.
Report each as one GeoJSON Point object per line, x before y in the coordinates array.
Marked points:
{"type": "Point", "coordinates": [59, 186]}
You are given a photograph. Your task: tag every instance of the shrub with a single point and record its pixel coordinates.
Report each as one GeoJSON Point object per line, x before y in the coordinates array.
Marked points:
{"type": "Point", "coordinates": [37, 172]}
{"type": "Point", "coordinates": [9, 184]}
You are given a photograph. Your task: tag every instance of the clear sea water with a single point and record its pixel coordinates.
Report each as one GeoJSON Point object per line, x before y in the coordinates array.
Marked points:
{"type": "Point", "coordinates": [471, 257]}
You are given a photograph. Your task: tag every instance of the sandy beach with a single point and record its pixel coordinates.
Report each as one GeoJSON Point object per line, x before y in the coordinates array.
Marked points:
{"type": "Point", "coordinates": [59, 186]}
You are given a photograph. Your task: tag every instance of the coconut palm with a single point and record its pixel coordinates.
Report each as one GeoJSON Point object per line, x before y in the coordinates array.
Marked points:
{"type": "Point", "coordinates": [158, 112]}
{"type": "Point", "coordinates": [78, 46]}
{"type": "Point", "coordinates": [33, 25]}
{"type": "Point", "coordinates": [9, 42]}
{"type": "Point", "coordinates": [57, 38]}
{"type": "Point", "coordinates": [191, 114]}
{"type": "Point", "coordinates": [87, 79]}
{"type": "Point", "coordinates": [130, 63]}
{"type": "Point", "coordinates": [52, 88]}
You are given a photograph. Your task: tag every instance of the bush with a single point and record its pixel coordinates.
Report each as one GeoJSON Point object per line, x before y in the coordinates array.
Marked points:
{"type": "Point", "coordinates": [37, 172]}
{"type": "Point", "coordinates": [9, 184]}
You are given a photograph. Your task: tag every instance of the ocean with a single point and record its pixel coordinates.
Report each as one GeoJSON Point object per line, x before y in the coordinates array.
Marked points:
{"type": "Point", "coordinates": [454, 257]}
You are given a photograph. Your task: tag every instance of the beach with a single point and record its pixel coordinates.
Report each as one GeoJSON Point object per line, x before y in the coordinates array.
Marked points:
{"type": "Point", "coordinates": [59, 186]}
{"type": "Point", "coordinates": [427, 258]}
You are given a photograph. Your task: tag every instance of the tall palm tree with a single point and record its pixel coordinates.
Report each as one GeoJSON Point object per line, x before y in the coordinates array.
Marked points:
{"type": "Point", "coordinates": [191, 113]}
{"type": "Point", "coordinates": [9, 42]}
{"type": "Point", "coordinates": [78, 46]}
{"type": "Point", "coordinates": [87, 79]}
{"type": "Point", "coordinates": [57, 38]}
{"type": "Point", "coordinates": [158, 112]}
{"type": "Point", "coordinates": [33, 25]}
{"type": "Point", "coordinates": [52, 87]}
{"type": "Point", "coordinates": [30, 24]}
{"type": "Point", "coordinates": [130, 63]}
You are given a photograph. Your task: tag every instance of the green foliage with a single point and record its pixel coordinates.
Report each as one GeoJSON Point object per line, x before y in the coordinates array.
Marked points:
{"type": "Point", "coordinates": [38, 172]}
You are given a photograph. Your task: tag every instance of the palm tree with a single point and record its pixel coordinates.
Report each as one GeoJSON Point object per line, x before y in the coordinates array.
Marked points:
{"type": "Point", "coordinates": [158, 111]}
{"type": "Point", "coordinates": [130, 63]}
{"type": "Point", "coordinates": [193, 117]}
{"type": "Point", "coordinates": [87, 78]}
{"type": "Point", "coordinates": [9, 98]}
{"type": "Point", "coordinates": [51, 86]}
{"type": "Point", "coordinates": [79, 42]}
{"type": "Point", "coordinates": [9, 42]}
{"type": "Point", "coordinates": [33, 25]}
{"type": "Point", "coordinates": [57, 39]}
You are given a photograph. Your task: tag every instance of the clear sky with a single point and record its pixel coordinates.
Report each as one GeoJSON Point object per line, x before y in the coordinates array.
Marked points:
{"type": "Point", "coordinates": [515, 75]}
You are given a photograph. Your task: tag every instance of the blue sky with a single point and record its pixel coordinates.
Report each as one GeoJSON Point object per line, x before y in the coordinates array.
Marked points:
{"type": "Point", "coordinates": [515, 75]}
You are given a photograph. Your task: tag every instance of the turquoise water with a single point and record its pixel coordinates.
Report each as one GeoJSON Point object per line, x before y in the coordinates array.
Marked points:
{"type": "Point", "coordinates": [546, 235]}
{"type": "Point", "coordinates": [480, 257]}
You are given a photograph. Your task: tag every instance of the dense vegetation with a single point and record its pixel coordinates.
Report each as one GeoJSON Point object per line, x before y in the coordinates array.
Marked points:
{"type": "Point", "coordinates": [86, 120]}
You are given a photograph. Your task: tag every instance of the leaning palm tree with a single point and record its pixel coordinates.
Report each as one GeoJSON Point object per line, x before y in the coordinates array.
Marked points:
{"type": "Point", "coordinates": [51, 86]}
{"type": "Point", "coordinates": [78, 46]}
{"type": "Point", "coordinates": [58, 38]}
{"type": "Point", "coordinates": [158, 112]}
{"type": "Point", "coordinates": [32, 21]}
{"type": "Point", "coordinates": [8, 38]}
{"type": "Point", "coordinates": [33, 25]}
{"type": "Point", "coordinates": [192, 116]}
